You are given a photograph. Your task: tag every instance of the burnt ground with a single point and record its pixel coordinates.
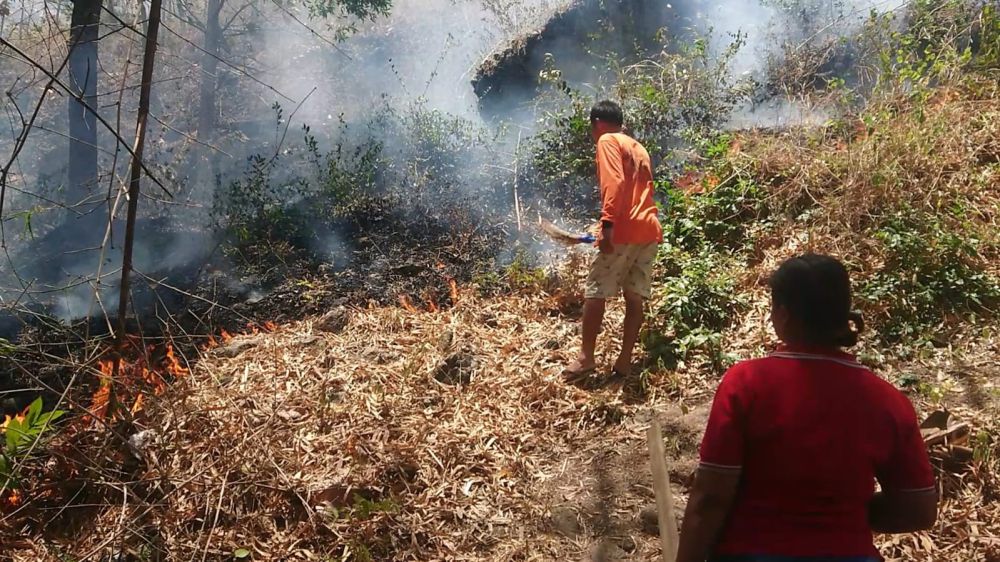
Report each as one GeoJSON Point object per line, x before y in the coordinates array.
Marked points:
{"type": "Point", "coordinates": [233, 286]}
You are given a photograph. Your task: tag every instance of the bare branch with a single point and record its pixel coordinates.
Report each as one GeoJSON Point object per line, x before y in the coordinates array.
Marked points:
{"type": "Point", "coordinates": [79, 98]}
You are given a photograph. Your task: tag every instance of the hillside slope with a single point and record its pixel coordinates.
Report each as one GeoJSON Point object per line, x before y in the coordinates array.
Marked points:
{"type": "Point", "coordinates": [388, 434]}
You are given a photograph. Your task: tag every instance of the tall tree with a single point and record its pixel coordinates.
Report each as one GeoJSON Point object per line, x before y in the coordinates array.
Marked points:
{"type": "Point", "coordinates": [210, 67]}
{"type": "Point", "coordinates": [83, 71]}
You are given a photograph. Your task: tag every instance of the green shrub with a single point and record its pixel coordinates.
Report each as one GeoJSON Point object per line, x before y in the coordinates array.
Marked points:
{"type": "Point", "coordinates": [691, 307]}
{"type": "Point", "coordinates": [669, 100]}
{"type": "Point", "coordinates": [932, 270]}
{"type": "Point", "coordinates": [20, 437]}
{"type": "Point", "coordinates": [706, 238]}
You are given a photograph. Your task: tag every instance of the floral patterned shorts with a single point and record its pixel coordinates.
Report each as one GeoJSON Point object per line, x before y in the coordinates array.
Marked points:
{"type": "Point", "coordinates": [628, 268]}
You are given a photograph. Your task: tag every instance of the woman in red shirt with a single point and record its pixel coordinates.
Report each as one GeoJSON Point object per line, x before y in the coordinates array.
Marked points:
{"type": "Point", "coordinates": [796, 441]}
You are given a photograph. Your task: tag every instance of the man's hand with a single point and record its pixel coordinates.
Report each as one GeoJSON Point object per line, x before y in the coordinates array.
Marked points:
{"type": "Point", "coordinates": [604, 243]}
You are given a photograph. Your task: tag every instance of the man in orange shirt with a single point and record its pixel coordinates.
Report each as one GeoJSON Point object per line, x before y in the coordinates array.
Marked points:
{"type": "Point", "coordinates": [628, 239]}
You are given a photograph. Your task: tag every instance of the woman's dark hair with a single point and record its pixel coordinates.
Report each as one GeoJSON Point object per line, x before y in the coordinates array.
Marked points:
{"type": "Point", "coordinates": [607, 111]}
{"type": "Point", "coordinates": [816, 292]}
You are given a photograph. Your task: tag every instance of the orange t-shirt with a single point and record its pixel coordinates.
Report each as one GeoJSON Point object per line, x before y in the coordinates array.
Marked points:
{"type": "Point", "coordinates": [626, 179]}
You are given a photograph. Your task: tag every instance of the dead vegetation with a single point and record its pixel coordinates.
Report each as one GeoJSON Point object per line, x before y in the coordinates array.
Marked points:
{"type": "Point", "coordinates": [440, 429]}
{"type": "Point", "coordinates": [334, 438]}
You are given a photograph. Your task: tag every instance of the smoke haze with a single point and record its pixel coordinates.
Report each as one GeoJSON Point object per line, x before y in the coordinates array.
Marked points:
{"type": "Point", "coordinates": [424, 55]}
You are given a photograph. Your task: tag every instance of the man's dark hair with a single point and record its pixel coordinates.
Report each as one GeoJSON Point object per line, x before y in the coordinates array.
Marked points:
{"type": "Point", "coordinates": [816, 291]}
{"type": "Point", "coordinates": [607, 111]}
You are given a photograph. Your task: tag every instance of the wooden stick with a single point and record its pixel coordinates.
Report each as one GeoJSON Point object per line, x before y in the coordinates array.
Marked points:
{"type": "Point", "coordinates": [669, 537]}
{"type": "Point", "coordinates": [517, 201]}
{"type": "Point", "coordinates": [954, 435]}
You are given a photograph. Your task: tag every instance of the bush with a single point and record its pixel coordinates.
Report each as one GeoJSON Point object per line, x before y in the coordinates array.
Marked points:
{"type": "Point", "coordinates": [670, 100]}
{"type": "Point", "coordinates": [706, 240]}
{"type": "Point", "coordinates": [932, 272]}
{"type": "Point", "coordinates": [421, 172]}
{"type": "Point", "coordinates": [696, 301]}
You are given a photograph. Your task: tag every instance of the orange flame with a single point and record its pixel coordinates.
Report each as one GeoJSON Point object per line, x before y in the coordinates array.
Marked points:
{"type": "Point", "coordinates": [270, 326]}
{"type": "Point", "coordinates": [226, 336]}
{"type": "Point", "coordinates": [174, 366]}
{"type": "Point", "coordinates": [139, 402]}
{"type": "Point", "coordinates": [136, 378]}
{"type": "Point", "coordinates": [12, 500]}
{"type": "Point", "coordinates": [100, 402]}
{"type": "Point", "coordinates": [17, 417]}
{"type": "Point", "coordinates": [404, 301]}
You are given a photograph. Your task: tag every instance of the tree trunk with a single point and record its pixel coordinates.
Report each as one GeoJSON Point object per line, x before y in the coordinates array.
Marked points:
{"type": "Point", "coordinates": [203, 161]}
{"type": "Point", "coordinates": [82, 180]}
{"type": "Point", "coordinates": [210, 67]}
{"type": "Point", "coordinates": [135, 176]}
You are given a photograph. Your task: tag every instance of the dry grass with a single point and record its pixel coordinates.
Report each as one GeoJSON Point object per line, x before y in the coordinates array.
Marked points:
{"type": "Point", "coordinates": [408, 435]}
{"type": "Point", "coordinates": [492, 458]}
{"type": "Point", "coordinates": [921, 155]}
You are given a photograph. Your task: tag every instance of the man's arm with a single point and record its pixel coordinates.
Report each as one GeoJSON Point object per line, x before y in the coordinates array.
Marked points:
{"type": "Point", "coordinates": [611, 175]}
{"type": "Point", "coordinates": [708, 508]}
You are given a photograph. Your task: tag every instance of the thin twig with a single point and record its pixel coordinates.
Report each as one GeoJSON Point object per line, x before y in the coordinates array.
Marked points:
{"type": "Point", "coordinates": [79, 97]}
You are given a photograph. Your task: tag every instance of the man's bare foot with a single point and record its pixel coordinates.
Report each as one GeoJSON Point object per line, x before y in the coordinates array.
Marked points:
{"type": "Point", "coordinates": [622, 368]}
{"type": "Point", "coordinates": [579, 369]}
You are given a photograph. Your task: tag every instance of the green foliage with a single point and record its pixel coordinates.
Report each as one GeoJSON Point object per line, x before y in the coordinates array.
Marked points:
{"type": "Point", "coordinates": [364, 509]}
{"type": "Point", "coordinates": [705, 238]}
{"type": "Point", "coordinates": [521, 274]}
{"type": "Point", "coordinates": [421, 169]}
{"type": "Point", "coordinates": [938, 42]}
{"type": "Point", "coordinates": [692, 306]}
{"type": "Point", "coordinates": [361, 9]}
{"type": "Point", "coordinates": [932, 271]}
{"type": "Point", "coordinates": [668, 100]}
{"type": "Point", "coordinates": [716, 220]}
{"type": "Point", "coordinates": [20, 437]}
{"type": "Point", "coordinates": [988, 40]}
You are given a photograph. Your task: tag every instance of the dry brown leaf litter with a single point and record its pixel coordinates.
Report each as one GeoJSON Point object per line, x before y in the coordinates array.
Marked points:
{"type": "Point", "coordinates": [317, 446]}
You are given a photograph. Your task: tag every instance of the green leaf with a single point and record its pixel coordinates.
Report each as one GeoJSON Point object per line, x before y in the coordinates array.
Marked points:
{"type": "Point", "coordinates": [33, 412]}
{"type": "Point", "coordinates": [14, 433]}
{"type": "Point", "coordinates": [241, 554]}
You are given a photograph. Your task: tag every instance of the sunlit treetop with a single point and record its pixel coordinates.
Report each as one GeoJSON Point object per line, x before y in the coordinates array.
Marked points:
{"type": "Point", "coordinates": [362, 9]}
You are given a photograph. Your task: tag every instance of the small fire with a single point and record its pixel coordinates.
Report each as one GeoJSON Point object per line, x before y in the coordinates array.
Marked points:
{"type": "Point", "coordinates": [404, 301]}
{"type": "Point", "coordinates": [136, 379]}
{"type": "Point", "coordinates": [253, 329]}
{"type": "Point", "coordinates": [99, 403]}
{"type": "Point", "coordinates": [225, 336]}
{"type": "Point", "coordinates": [174, 366]}
{"type": "Point", "coordinates": [107, 368]}
{"type": "Point", "coordinates": [137, 405]}
{"type": "Point", "coordinates": [17, 417]}
{"type": "Point", "coordinates": [12, 500]}
{"type": "Point", "coordinates": [454, 290]}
